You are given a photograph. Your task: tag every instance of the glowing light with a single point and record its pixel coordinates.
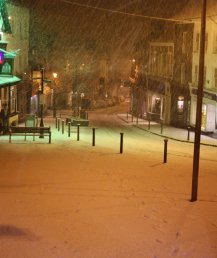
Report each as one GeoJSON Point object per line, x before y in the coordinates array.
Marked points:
{"type": "Point", "coordinates": [55, 75]}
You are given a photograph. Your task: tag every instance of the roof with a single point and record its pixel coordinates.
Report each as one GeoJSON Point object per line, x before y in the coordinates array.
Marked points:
{"type": "Point", "coordinates": [9, 80]}
{"type": "Point", "coordinates": [8, 54]}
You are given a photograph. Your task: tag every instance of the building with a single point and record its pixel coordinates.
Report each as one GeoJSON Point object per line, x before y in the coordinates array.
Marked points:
{"type": "Point", "coordinates": [209, 108]}
{"type": "Point", "coordinates": [169, 71]}
{"type": "Point", "coordinates": [8, 81]}
{"type": "Point", "coordinates": [18, 41]}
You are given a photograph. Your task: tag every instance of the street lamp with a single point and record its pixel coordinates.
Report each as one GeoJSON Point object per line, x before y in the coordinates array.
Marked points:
{"type": "Point", "coordinates": [54, 95]}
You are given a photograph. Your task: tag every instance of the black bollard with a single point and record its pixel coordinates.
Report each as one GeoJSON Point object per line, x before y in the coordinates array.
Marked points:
{"type": "Point", "coordinates": [121, 142]}
{"type": "Point", "coordinates": [165, 150]}
{"type": "Point", "coordinates": [161, 127]}
{"type": "Point", "coordinates": [132, 117]}
{"type": "Point", "coordinates": [86, 115]}
{"type": "Point", "coordinates": [78, 132]}
{"type": "Point", "coordinates": [56, 121]}
{"type": "Point", "coordinates": [58, 125]}
{"type": "Point", "coordinates": [149, 123]}
{"type": "Point", "coordinates": [63, 126]}
{"type": "Point", "coordinates": [69, 129]}
{"type": "Point", "coordinates": [189, 129]}
{"type": "Point", "coordinates": [137, 120]}
{"type": "Point", "coordinates": [93, 140]}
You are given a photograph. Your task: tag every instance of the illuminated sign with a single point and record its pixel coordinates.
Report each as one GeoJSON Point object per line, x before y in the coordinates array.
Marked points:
{"type": "Point", "coordinates": [1, 57]}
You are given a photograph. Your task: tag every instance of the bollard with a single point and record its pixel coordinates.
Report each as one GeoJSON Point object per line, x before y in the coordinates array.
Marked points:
{"type": "Point", "coordinates": [121, 142]}
{"type": "Point", "coordinates": [127, 115]}
{"type": "Point", "coordinates": [69, 129]}
{"type": "Point", "coordinates": [165, 150]}
{"type": "Point", "coordinates": [56, 121]}
{"type": "Point", "coordinates": [78, 132]}
{"type": "Point", "coordinates": [149, 123]}
{"type": "Point", "coordinates": [93, 140]}
{"type": "Point", "coordinates": [161, 127]}
{"type": "Point", "coordinates": [132, 117]}
{"type": "Point", "coordinates": [86, 115]}
{"type": "Point", "coordinates": [189, 129]}
{"type": "Point", "coordinates": [63, 126]}
{"type": "Point", "coordinates": [137, 120]}
{"type": "Point", "coordinates": [58, 125]}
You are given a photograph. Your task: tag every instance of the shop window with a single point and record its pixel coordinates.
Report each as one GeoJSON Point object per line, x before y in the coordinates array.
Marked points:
{"type": "Point", "coordinates": [203, 120]}
{"type": "Point", "coordinates": [13, 99]}
{"type": "Point", "coordinates": [157, 105]}
{"type": "Point", "coordinates": [180, 104]}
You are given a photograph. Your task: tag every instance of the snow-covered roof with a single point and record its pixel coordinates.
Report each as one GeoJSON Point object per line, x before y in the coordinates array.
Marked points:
{"type": "Point", "coordinates": [4, 80]}
{"type": "Point", "coordinates": [8, 54]}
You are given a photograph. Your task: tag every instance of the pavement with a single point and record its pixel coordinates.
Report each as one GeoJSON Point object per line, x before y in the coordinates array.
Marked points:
{"type": "Point", "coordinates": [173, 133]}
{"type": "Point", "coordinates": [169, 132]}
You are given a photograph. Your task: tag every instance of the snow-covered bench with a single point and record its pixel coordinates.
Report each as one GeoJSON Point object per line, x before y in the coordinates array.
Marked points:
{"type": "Point", "coordinates": [29, 131]}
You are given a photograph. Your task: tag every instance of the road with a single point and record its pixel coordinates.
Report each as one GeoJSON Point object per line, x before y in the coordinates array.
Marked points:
{"type": "Point", "coordinates": [70, 199]}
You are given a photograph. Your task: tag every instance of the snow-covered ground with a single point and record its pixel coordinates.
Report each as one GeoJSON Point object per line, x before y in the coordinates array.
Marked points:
{"type": "Point", "coordinates": [70, 199]}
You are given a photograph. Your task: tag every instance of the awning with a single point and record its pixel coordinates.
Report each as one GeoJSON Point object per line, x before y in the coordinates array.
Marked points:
{"type": "Point", "coordinates": [7, 81]}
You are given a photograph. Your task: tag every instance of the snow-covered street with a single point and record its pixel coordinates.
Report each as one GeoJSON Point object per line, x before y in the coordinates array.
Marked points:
{"type": "Point", "coordinates": [70, 199]}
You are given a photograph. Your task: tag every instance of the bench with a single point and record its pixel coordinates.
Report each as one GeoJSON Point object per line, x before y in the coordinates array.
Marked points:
{"type": "Point", "coordinates": [76, 120]}
{"type": "Point", "coordinates": [29, 131]}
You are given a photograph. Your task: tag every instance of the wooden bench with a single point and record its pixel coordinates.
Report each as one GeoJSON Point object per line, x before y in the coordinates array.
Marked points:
{"type": "Point", "coordinates": [76, 120]}
{"type": "Point", "coordinates": [29, 131]}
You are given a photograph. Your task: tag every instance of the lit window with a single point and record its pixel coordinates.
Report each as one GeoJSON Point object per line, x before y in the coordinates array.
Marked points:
{"type": "Point", "coordinates": [180, 104]}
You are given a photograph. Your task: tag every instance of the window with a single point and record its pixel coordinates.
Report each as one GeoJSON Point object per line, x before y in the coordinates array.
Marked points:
{"type": "Point", "coordinates": [215, 44]}
{"type": "Point", "coordinates": [197, 42]}
{"type": "Point", "coordinates": [6, 68]}
{"type": "Point", "coordinates": [180, 104]}
{"type": "Point", "coordinates": [215, 78]}
{"type": "Point", "coordinates": [13, 99]}
{"type": "Point", "coordinates": [206, 42]}
{"type": "Point", "coordinates": [196, 74]}
{"type": "Point", "coordinates": [161, 60]}
{"type": "Point", "coordinates": [183, 73]}
{"type": "Point", "coordinates": [184, 42]}
{"type": "Point", "coordinates": [204, 78]}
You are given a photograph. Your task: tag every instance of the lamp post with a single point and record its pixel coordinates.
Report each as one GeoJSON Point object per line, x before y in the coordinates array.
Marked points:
{"type": "Point", "coordinates": [42, 98]}
{"type": "Point", "coordinates": [199, 104]}
{"type": "Point", "coordinates": [54, 95]}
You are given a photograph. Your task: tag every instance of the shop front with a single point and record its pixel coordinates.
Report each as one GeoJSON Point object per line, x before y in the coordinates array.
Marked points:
{"type": "Point", "coordinates": [209, 110]}
{"type": "Point", "coordinates": [158, 106]}
{"type": "Point", "coordinates": [8, 91]}
{"type": "Point", "coordinates": [180, 106]}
